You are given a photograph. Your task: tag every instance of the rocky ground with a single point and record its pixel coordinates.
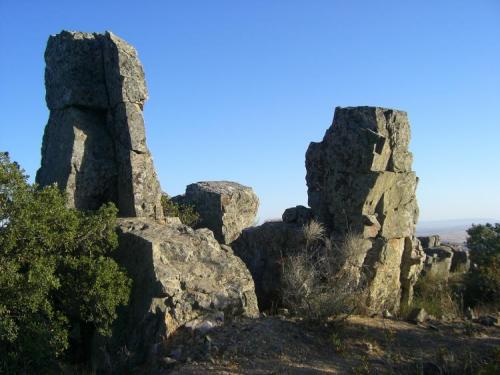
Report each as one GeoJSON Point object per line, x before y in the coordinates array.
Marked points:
{"type": "Point", "coordinates": [361, 345]}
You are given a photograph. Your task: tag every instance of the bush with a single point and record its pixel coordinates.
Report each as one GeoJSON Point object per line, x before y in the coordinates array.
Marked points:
{"type": "Point", "coordinates": [185, 212]}
{"type": "Point", "coordinates": [319, 283]}
{"type": "Point", "coordinates": [483, 280]}
{"type": "Point", "coordinates": [56, 274]}
{"type": "Point", "coordinates": [440, 298]}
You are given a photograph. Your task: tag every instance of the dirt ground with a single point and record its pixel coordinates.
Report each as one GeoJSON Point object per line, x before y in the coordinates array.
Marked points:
{"type": "Point", "coordinates": [361, 345]}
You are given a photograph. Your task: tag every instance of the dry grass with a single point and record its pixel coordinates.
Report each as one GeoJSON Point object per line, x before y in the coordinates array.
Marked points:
{"type": "Point", "coordinates": [323, 282]}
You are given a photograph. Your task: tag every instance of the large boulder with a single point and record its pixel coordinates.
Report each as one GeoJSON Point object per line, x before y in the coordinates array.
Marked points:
{"type": "Point", "coordinates": [181, 276]}
{"type": "Point", "coordinates": [297, 215]}
{"type": "Point", "coordinates": [430, 241]}
{"type": "Point", "coordinates": [438, 262]}
{"type": "Point", "coordinates": [225, 207]}
{"type": "Point", "coordinates": [360, 180]}
{"type": "Point", "coordinates": [94, 146]}
{"type": "Point", "coordinates": [263, 249]}
{"type": "Point", "coordinates": [460, 262]}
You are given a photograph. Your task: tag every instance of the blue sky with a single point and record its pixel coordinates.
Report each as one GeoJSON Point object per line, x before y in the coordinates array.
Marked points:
{"type": "Point", "coordinates": [238, 89]}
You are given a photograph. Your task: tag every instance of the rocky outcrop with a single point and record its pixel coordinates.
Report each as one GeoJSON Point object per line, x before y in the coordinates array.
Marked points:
{"type": "Point", "coordinates": [297, 215]}
{"type": "Point", "coordinates": [359, 179]}
{"type": "Point", "coordinates": [443, 259]}
{"type": "Point", "coordinates": [94, 146]}
{"type": "Point", "coordinates": [225, 207]}
{"type": "Point", "coordinates": [438, 262]}
{"type": "Point", "coordinates": [182, 277]}
{"type": "Point", "coordinates": [460, 262]}
{"type": "Point", "coordinates": [430, 241]}
{"type": "Point", "coordinates": [263, 249]}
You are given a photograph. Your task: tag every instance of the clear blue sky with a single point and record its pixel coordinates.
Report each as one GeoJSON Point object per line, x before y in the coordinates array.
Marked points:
{"type": "Point", "coordinates": [238, 89]}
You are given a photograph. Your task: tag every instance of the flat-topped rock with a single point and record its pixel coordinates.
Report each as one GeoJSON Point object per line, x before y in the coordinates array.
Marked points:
{"type": "Point", "coordinates": [225, 207]}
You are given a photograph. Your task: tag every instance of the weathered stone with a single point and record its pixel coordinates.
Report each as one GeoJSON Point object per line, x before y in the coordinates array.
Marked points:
{"type": "Point", "coordinates": [418, 315]}
{"type": "Point", "coordinates": [438, 262]}
{"type": "Point", "coordinates": [430, 241]}
{"type": "Point", "coordinates": [263, 249]}
{"type": "Point", "coordinates": [94, 144]}
{"type": "Point", "coordinates": [225, 207]}
{"type": "Point", "coordinates": [297, 215]}
{"type": "Point", "coordinates": [460, 262]}
{"type": "Point", "coordinates": [360, 180]}
{"type": "Point", "coordinates": [182, 277]}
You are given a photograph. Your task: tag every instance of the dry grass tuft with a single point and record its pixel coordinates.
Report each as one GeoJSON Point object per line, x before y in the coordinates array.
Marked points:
{"type": "Point", "coordinates": [324, 281]}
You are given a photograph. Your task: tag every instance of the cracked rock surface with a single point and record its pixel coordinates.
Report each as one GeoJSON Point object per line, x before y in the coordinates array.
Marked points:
{"type": "Point", "coordinates": [359, 179]}
{"type": "Point", "coordinates": [94, 145]}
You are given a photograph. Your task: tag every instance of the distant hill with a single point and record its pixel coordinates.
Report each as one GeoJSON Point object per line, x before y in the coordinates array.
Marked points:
{"type": "Point", "coordinates": [450, 230]}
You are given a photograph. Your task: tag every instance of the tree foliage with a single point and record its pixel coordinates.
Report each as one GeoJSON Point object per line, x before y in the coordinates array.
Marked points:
{"type": "Point", "coordinates": [56, 272]}
{"type": "Point", "coordinates": [483, 280]}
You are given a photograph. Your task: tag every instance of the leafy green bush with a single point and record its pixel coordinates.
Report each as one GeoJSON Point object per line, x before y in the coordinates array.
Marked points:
{"type": "Point", "coordinates": [483, 280]}
{"type": "Point", "coordinates": [56, 274]}
{"type": "Point", "coordinates": [185, 212]}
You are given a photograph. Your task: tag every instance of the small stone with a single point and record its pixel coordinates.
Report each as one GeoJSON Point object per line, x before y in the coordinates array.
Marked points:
{"type": "Point", "coordinates": [470, 314]}
{"type": "Point", "coordinates": [168, 361]}
{"type": "Point", "coordinates": [418, 315]}
{"type": "Point", "coordinates": [488, 320]}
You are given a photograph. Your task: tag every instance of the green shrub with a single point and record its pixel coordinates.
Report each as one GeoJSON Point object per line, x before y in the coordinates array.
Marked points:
{"type": "Point", "coordinates": [483, 280]}
{"type": "Point", "coordinates": [185, 212]}
{"type": "Point", "coordinates": [56, 273]}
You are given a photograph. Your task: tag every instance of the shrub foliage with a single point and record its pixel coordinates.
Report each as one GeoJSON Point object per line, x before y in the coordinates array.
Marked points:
{"type": "Point", "coordinates": [185, 212]}
{"type": "Point", "coordinates": [483, 279]}
{"type": "Point", "coordinates": [56, 273]}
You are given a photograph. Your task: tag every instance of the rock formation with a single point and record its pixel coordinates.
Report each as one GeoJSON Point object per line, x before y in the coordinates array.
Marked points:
{"type": "Point", "coordinates": [225, 207]}
{"type": "Point", "coordinates": [94, 146]}
{"type": "Point", "coordinates": [359, 179]}
{"type": "Point", "coordinates": [443, 259]}
{"type": "Point", "coordinates": [297, 215]}
{"type": "Point", "coordinates": [181, 275]}
{"type": "Point", "coordinates": [263, 249]}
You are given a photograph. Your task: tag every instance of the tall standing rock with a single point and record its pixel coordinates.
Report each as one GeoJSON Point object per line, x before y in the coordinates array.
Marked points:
{"type": "Point", "coordinates": [359, 179]}
{"type": "Point", "coordinates": [94, 146]}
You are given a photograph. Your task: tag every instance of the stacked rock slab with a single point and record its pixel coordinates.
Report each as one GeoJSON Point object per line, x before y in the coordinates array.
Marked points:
{"type": "Point", "coordinates": [359, 179]}
{"type": "Point", "coordinates": [225, 207]}
{"type": "Point", "coordinates": [181, 275]}
{"type": "Point", "coordinates": [94, 146]}
{"type": "Point", "coordinates": [443, 259]}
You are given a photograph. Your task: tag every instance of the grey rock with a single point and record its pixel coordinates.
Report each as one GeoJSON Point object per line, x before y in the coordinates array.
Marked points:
{"type": "Point", "coordinates": [460, 262]}
{"type": "Point", "coordinates": [418, 315]}
{"type": "Point", "coordinates": [225, 207]}
{"type": "Point", "coordinates": [438, 262]}
{"type": "Point", "coordinates": [297, 215]}
{"type": "Point", "coordinates": [263, 249]}
{"type": "Point", "coordinates": [94, 146]}
{"type": "Point", "coordinates": [181, 278]}
{"type": "Point", "coordinates": [360, 180]}
{"type": "Point", "coordinates": [488, 320]}
{"type": "Point", "coordinates": [430, 241]}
